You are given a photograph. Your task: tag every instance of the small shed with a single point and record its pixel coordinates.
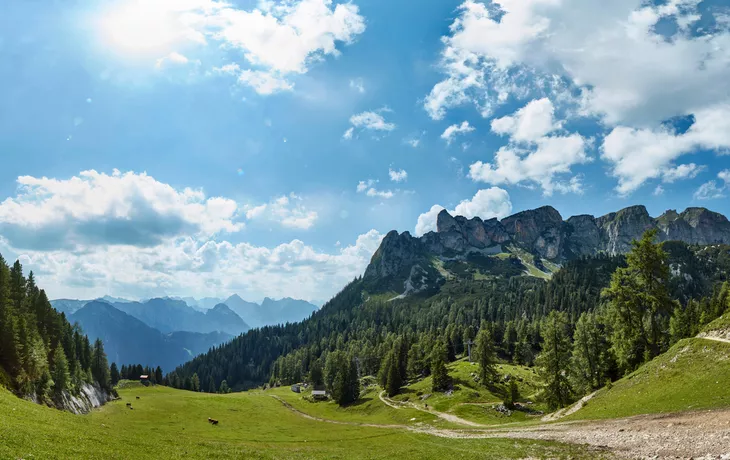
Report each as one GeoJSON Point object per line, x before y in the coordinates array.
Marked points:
{"type": "Point", "coordinates": [296, 389]}
{"type": "Point", "coordinates": [319, 392]}
{"type": "Point", "coordinates": [144, 380]}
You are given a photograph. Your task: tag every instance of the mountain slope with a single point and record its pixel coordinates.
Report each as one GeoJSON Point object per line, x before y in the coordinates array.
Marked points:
{"type": "Point", "coordinates": [128, 340]}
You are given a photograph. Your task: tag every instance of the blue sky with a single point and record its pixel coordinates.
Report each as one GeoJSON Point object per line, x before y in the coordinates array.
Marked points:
{"type": "Point", "coordinates": [198, 147]}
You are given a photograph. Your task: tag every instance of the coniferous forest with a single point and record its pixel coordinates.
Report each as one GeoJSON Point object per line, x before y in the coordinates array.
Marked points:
{"type": "Point", "coordinates": [41, 354]}
{"type": "Point", "coordinates": [595, 320]}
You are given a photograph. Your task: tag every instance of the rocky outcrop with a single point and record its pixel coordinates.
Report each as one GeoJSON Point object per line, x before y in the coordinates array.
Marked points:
{"type": "Point", "coordinates": [694, 225]}
{"type": "Point", "coordinates": [619, 229]}
{"type": "Point", "coordinates": [541, 232]}
{"type": "Point", "coordinates": [89, 397]}
{"type": "Point", "coordinates": [582, 235]}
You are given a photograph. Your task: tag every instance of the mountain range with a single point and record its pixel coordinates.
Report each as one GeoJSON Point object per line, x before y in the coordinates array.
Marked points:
{"type": "Point", "coordinates": [534, 242]}
{"type": "Point", "coordinates": [127, 340]}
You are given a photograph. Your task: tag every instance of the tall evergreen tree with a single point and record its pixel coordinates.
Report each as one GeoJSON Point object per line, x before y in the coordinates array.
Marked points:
{"type": "Point", "coordinates": [439, 373]}
{"type": "Point", "coordinates": [554, 361]}
{"type": "Point", "coordinates": [59, 370]}
{"type": "Point", "coordinates": [639, 303]}
{"type": "Point", "coordinates": [486, 355]}
{"type": "Point", "coordinates": [590, 356]}
{"type": "Point", "coordinates": [99, 365]}
{"type": "Point", "coordinates": [195, 383]}
{"type": "Point", "coordinates": [114, 374]}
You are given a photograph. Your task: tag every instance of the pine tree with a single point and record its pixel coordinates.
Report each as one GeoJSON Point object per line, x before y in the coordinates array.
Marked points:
{"type": "Point", "coordinates": [486, 355]}
{"type": "Point", "coordinates": [679, 325]}
{"type": "Point", "coordinates": [439, 374]}
{"type": "Point", "coordinates": [211, 385]}
{"type": "Point", "coordinates": [195, 383]}
{"type": "Point", "coordinates": [393, 380]}
{"type": "Point", "coordinates": [554, 361]}
{"type": "Point", "coordinates": [99, 365]}
{"type": "Point", "coordinates": [114, 374]}
{"type": "Point", "coordinates": [224, 388]}
{"type": "Point", "coordinates": [316, 377]}
{"type": "Point", "coordinates": [158, 375]}
{"type": "Point", "coordinates": [59, 370]}
{"type": "Point", "coordinates": [590, 356]}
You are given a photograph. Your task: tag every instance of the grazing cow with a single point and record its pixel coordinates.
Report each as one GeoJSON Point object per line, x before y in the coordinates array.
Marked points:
{"type": "Point", "coordinates": [137, 397]}
{"type": "Point", "coordinates": [212, 421]}
{"type": "Point", "coordinates": [129, 404]}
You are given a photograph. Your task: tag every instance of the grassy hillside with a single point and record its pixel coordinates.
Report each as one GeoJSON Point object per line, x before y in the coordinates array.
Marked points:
{"type": "Point", "coordinates": [693, 374]}
{"type": "Point", "coordinates": [168, 423]}
{"type": "Point", "coordinates": [471, 401]}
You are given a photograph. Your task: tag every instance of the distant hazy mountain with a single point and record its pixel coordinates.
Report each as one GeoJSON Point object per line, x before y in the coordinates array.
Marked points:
{"type": "Point", "coordinates": [68, 306]}
{"type": "Point", "coordinates": [169, 315]}
{"type": "Point", "coordinates": [128, 340]}
{"type": "Point", "coordinates": [271, 311]}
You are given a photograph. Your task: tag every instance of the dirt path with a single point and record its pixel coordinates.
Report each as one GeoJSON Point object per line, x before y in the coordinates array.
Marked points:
{"type": "Point", "coordinates": [712, 337]}
{"type": "Point", "coordinates": [568, 410]}
{"type": "Point", "coordinates": [442, 415]}
{"type": "Point", "coordinates": [698, 435]}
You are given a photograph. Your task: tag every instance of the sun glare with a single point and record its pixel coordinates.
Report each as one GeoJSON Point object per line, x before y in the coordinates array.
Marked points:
{"type": "Point", "coordinates": [141, 27]}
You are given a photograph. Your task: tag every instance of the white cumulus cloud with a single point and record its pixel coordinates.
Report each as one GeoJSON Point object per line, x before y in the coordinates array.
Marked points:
{"type": "Point", "coordinates": [533, 156]}
{"type": "Point", "coordinates": [106, 209]}
{"type": "Point", "coordinates": [272, 41]}
{"type": "Point", "coordinates": [637, 155]}
{"type": "Point", "coordinates": [373, 121]}
{"type": "Point", "coordinates": [454, 130]}
{"type": "Point", "coordinates": [286, 210]}
{"type": "Point", "coordinates": [486, 204]}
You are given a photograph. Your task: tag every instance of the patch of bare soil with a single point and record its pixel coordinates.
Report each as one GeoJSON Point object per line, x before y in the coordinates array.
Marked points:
{"type": "Point", "coordinates": [686, 435]}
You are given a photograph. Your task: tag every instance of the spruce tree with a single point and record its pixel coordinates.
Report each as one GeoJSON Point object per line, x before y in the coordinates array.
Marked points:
{"type": "Point", "coordinates": [439, 374]}
{"type": "Point", "coordinates": [590, 355]}
{"type": "Point", "coordinates": [114, 374]}
{"type": "Point", "coordinates": [211, 385]}
{"type": "Point", "coordinates": [195, 382]}
{"type": "Point", "coordinates": [99, 365]}
{"type": "Point", "coordinates": [554, 361]}
{"type": "Point", "coordinates": [486, 355]}
{"type": "Point", "coordinates": [158, 375]}
{"type": "Point", "coordinates": [393, 378]}
{"type": "Point", "coordinates": [316, 376]}
{"type": "Point", "coordinates": [59, 370]}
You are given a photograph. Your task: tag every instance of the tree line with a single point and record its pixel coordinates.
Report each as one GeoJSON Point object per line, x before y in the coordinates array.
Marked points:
{"type": "Point", "coordinates": [41, 353]}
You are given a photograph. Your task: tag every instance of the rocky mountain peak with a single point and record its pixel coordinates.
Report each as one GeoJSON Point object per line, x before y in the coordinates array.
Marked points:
{"type": "Point", "coordinates": [405, 264]}
{"type": "Point", "coordinates": [445, 222]}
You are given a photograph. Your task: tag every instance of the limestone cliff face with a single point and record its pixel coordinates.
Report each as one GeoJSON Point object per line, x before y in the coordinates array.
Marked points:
{"type": "Point", "coordinates": [406, 263]}
{"type": "Point", "coordinates": [619, 229]}
{"type": "Point", "coordinates": [694, 225]}
{"type": "Point", "coordinates": [539, 230]}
